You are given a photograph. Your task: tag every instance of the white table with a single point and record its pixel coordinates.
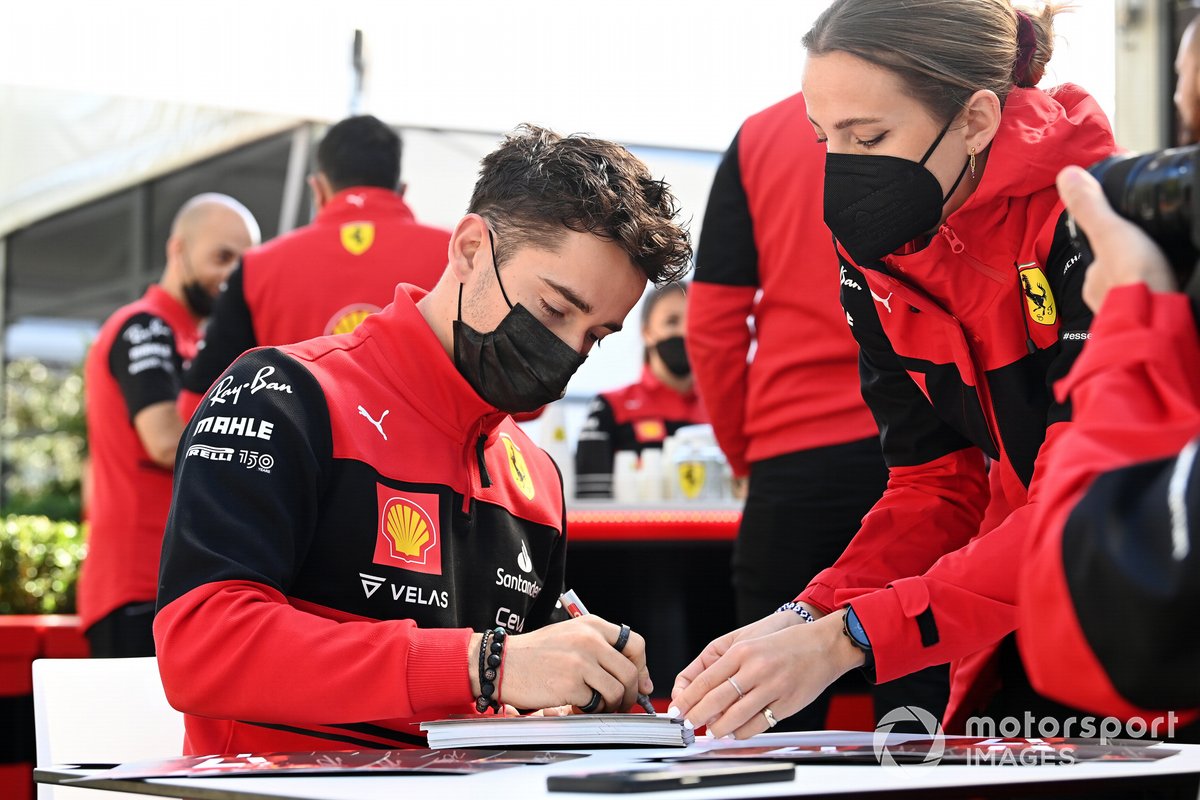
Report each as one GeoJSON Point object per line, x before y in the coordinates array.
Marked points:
{"type": "Point", "coordinates": [812, 780]}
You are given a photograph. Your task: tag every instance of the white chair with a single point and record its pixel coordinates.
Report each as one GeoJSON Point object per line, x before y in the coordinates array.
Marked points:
{"type": "Point", "coordinates": [100, 710]}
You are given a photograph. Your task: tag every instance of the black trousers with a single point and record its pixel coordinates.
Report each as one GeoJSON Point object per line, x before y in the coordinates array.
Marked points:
{"type": "Point", "coordinates": [801, 512]}
{"type": "Point", "coordinates": [125, 633]}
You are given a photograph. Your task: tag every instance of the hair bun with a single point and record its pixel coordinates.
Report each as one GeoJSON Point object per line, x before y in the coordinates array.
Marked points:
{"type": "Point", "coordinates": [1026, 49]}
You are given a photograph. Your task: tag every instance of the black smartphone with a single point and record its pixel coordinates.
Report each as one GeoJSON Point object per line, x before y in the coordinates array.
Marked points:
{"type": "Point", "coordinates": [672, 775]}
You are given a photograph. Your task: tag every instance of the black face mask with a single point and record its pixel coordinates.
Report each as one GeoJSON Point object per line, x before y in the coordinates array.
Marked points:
{"type": "Point", "coordinates": [674, 355]}
{"type": "Point", "coordinates": [197, 297]}
{"type": "Point", "coordinates": [874, 205]}
{"type": "Point", "coordinates": [520, 366]}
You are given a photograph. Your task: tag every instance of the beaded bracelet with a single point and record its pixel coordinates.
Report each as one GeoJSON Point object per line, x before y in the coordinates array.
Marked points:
{"type": "Point", "coordinates": [491, 661]}
{"type": "Point", "coordinates": [792, 605]}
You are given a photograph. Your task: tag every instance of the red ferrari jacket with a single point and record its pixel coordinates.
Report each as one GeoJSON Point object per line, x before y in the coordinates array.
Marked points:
{"type": "Point", "coordinates": [960, 342]}
{"type": "Point", "coordinates": [318, 280]}
{"type": "Point", "coordinates": [631, 418]}
{"type": "Point", "coordinates": [135, 362]}
{"type": "Point", "coordinates": [765, 253]}
{"type": "Point", "coordinates": [1111, 582]}
{"type": "Point", "coordinates": [347, 511]}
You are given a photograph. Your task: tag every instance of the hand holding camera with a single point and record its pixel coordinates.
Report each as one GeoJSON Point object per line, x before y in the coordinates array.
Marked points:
{"type": "Point", "coordinates": [1123, 253]}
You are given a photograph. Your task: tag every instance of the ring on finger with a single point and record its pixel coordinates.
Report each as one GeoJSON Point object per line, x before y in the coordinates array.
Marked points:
{"type": "Point", "coordinates": [592, 704]}
{"type": "Point", "coordinates": [736, 688]}
{"type": "Point", "coordinates": [622, 638]}
{"type": "Point", "coordinates": [771, 721]}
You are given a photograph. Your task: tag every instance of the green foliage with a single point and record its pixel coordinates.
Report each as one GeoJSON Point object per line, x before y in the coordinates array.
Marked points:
{"type": "Point", "coordinates": [45, 437]}
{"type": "Point", "coordinates": [45, 440]}
{"type": "Point", "coordinates": [39, 565]}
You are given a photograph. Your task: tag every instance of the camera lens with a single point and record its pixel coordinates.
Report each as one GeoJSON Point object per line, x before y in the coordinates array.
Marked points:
{"type": "Point", "coordinates": [1157, 192]}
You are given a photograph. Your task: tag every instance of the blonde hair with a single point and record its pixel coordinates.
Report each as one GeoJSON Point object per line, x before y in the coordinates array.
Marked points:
{"type": "Point", "coordinates": [943, 50]}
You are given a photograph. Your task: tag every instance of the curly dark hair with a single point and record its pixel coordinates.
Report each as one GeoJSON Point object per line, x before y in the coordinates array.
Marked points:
{"type": "Point", "coordinates": [536, 183]}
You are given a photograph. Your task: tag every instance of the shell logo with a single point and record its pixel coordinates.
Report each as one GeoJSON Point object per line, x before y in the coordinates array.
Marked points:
{"type": "Point", "coordinates": [517, 467]}
{"type": "Point", "coordinates": [650, 430]}
{"type": "Point", "coordinates": [407, 528]}
{"type": "Point", "coordinates": [357, 237]}
{"type": "Point", "coordinates": [407, 536]}
{"type": "Point", "coordinates": [347, 319]}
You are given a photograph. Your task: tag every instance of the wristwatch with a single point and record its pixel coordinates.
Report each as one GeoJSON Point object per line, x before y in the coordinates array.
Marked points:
{"type": "Point", "coordinates": [858, 636]}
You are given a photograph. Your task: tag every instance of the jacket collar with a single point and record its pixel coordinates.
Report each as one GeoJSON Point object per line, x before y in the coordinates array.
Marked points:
{"type": "Point", "coordinates": [654, 386]}
{"type": "Point", "coordinates": [409, 353]}
{"type": "Point", "coordinates": [1040, 133]}
{"type": "Point", "coordinates": [174, 312]}
{"type": "Point", "coordinates": [358, 202]}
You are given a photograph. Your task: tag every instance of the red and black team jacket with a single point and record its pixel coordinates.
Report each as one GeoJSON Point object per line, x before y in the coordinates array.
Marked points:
{"type": "Point", "coordinates": [136, 361]}
{"type": "Point", "coordinates": [347, 511]}
{"type": "Point", "coordinates": [960, 343]}
{"type": "Point", "coordinates": [631, 418]}
{"type": "Point", "coordinates": [318, 280]}
{"type": "Point", "coordinates": [763, 230]}
{"type": "Point", "coordinates": [1111, 582]}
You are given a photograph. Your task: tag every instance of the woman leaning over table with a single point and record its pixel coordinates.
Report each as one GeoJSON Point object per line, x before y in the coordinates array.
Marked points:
{"type": "Point", "coordinates": [962, 288]}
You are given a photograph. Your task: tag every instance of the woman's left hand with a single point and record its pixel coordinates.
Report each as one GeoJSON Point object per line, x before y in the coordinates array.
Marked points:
{"type": "Point", "coordinates": [780, 673]}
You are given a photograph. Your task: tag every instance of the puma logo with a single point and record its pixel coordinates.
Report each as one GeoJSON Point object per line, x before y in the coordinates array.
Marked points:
{"type": "Point", "coordinates": [378, 424]}
{"type": "Point", "coordinates": [886, 302]}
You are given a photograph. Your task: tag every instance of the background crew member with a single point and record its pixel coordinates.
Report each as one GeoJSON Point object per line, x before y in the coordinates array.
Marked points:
{"type": "Point", "coordinates": [132, 377]}
{"type": "Point", "coordinates": [1187, 83]}
{"type": "Point", "coordinates": [792, 418]}
{"type": "Point", "coordinates": [365, 508]}
{"type": "Point", "coordinates": [962, 288]}
{"type": "Point", "coordinates": [642, 414]}
{"type": "Point", "coordinates": [1112, 580]}
{"type": "Point", "coordinates": [327, 276]}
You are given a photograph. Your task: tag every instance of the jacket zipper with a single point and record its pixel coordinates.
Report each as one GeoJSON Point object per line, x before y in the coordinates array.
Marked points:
{"type": "Point", "coordinates": [956, 244]}
{"type": "Point", "coordinates": [485, 480]}
{"type": "Point", "coordinates": [477, 472]}
{"type": "Point", "coordinates": [983, 391]}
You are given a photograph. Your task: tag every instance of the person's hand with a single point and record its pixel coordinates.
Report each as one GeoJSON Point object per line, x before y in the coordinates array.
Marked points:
{"type": "Point", "coordinates": [781, 671]}
{"type": "Point", "coordinates": [562, 664]}
{"type": "Point", "coordinates": [1123, 253]}
{"type": "Point", "coordinates": [719, 646]}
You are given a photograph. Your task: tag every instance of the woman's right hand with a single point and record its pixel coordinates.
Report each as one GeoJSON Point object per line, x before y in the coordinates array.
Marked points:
{"type": "Point", "coordinates": [561, 664]}
{"type": "Point", "coordinates": [719, 646]}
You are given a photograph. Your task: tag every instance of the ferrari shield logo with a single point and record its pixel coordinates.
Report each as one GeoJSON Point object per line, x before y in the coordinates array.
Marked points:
{"type": "Point", "coordinates": [357, 237]}
{"type": "Point", "coordinates": [691, 478]}
{"type": "Point", "coordinates": [517, 467]}
{"type": "Point", "coordinates": [1038, 298]}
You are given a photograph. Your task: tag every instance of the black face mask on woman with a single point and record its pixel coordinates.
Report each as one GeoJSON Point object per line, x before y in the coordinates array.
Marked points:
{"type": "Point", "coordinates": [874, 205]}
{"type": "Point", "coordinates": [520, 366]}
{"type": "Point", "coordinates": [673, 353]}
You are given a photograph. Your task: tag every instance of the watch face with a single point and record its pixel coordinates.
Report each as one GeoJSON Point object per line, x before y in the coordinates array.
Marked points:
{"type": "Point", "coordinates": [855, 628]}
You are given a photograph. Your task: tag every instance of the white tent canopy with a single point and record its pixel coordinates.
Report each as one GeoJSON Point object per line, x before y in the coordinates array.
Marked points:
{"type": "Point", "coordinates": [59, 150]}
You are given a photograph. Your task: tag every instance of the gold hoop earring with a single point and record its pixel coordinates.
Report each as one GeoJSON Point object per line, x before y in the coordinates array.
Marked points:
{"type": "Point", "coordinates": [972, 163]}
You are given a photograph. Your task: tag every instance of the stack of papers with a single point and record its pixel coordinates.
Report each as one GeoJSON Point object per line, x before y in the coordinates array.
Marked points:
{"type": "Point", "coordinates": [328, 762]}
{"type": "Point", "coordinates": [578, 730]}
